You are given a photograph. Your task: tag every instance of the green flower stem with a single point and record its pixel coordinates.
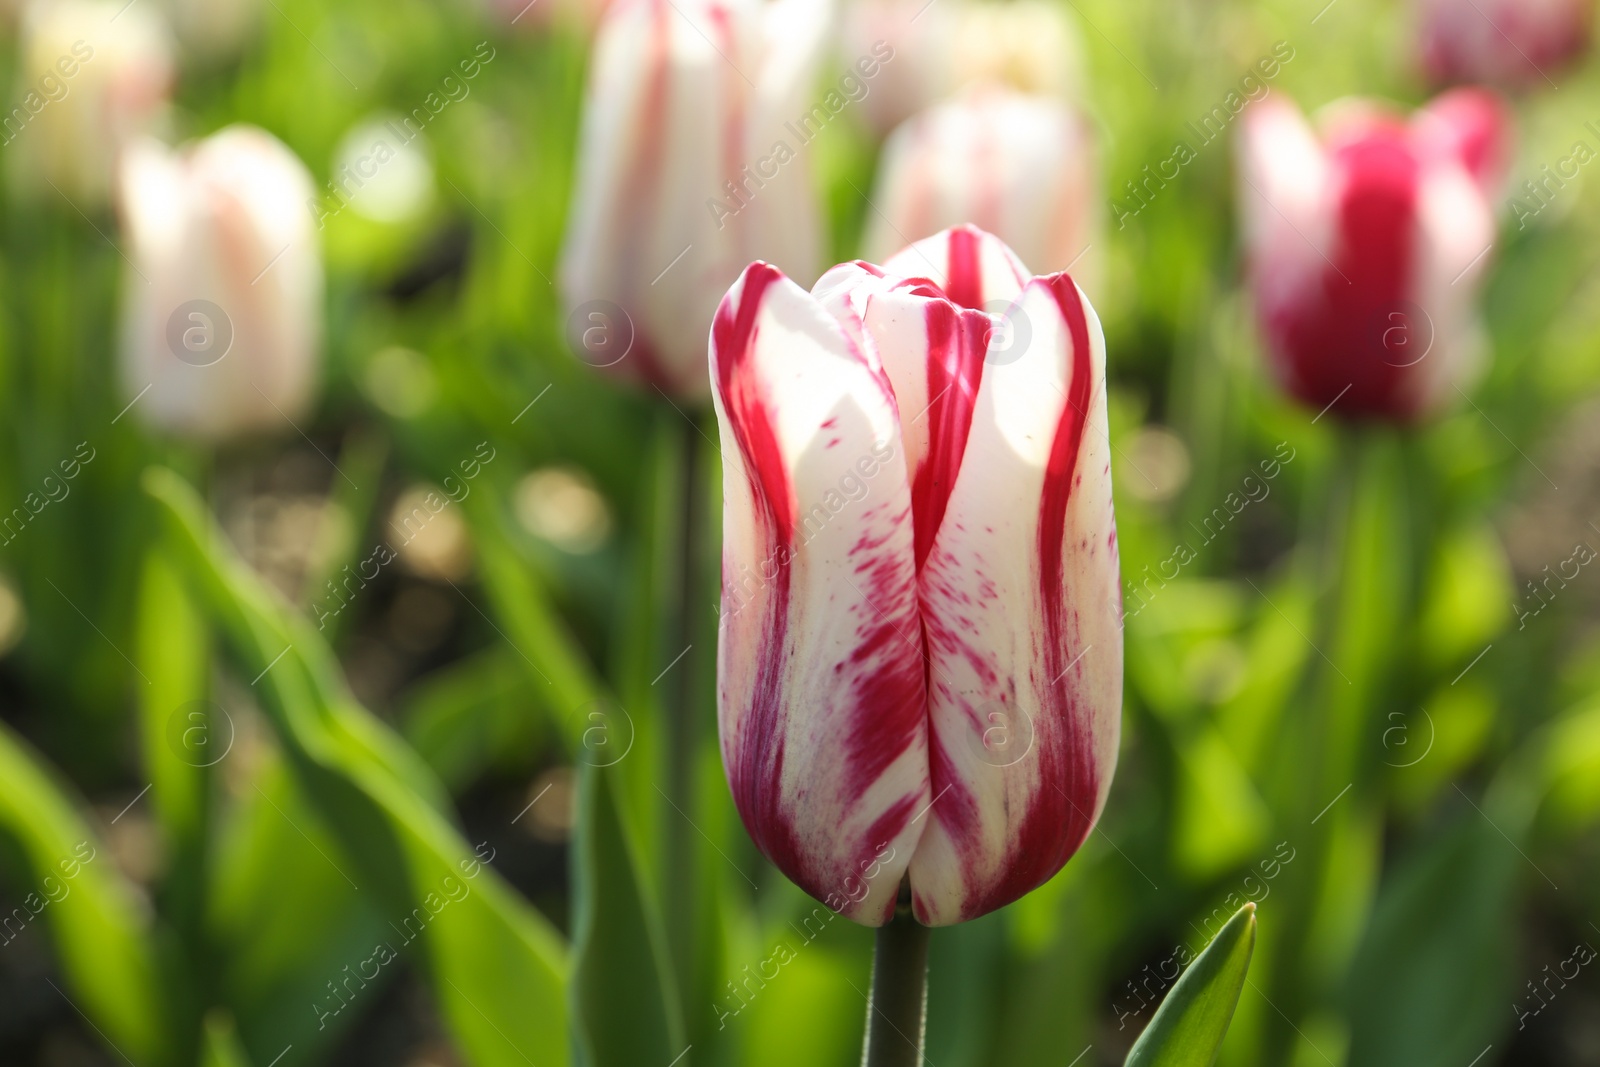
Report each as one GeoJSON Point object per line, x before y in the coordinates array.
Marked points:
{"type": "Point", "coordinates": [897, 1014]}
{"type": "Point", "coordinates": [682, 735]}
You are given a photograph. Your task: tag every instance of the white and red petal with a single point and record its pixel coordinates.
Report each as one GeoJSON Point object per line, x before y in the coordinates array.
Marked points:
{"type": "Point", "coordinates": [1021, 612]}
{"type": "Point", "coordinates": [970, 267]}
{"type": "Point", "coordinates": [932, 350]}
{"type": "Point", "coordinates": [820, 672]}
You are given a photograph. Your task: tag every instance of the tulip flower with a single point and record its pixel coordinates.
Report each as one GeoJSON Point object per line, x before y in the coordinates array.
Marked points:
{"type": "Point", "coordinates": [88, 86]}
{"type": "Point", "coordinates": [920, 650]}
{"type": "Point", "coordinates": [1029, 45]}
{"type": "Point", "coordinates": [1514, 43]}
{"type": "Point", "coordinates": [1020, 167]}
{"type": "Point", "coordinates": [222, 319]}
{"type": "Point", "coordinates": [1367, 247]}
{"type": "Point", "coordinates": [692, 162]}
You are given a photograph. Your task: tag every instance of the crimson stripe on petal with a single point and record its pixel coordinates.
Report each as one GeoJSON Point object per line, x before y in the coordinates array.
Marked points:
{"type": "Point", "coordinates": [821, 696]}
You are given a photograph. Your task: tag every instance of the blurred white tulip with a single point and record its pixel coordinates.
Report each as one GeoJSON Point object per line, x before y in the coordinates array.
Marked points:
{"type": "Point", "coordinates": [93, 75]}
{"type": "Point", "coordinates": [223, 315]}
{"type": "Point", "coordinates": [1020, 167]}
{"type": "Point", "coordinates": [692, 163]}
{"type": "Point", "coordinates": [1030, 45]}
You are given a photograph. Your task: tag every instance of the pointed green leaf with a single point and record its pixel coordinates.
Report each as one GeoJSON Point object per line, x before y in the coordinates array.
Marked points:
{"type": "Point", "coordinates": [498, 967]}
{"type": "Point", "coordinates": [101, 935]}
{"type": "Point", "coordinates": [624, 999]}
{"type": "Point", "coordinates": [1189, 1027]}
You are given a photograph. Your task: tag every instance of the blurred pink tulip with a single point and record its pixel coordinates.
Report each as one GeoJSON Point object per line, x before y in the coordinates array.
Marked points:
{"type": "Point", "coordinates": [1514, 43]}
{"type": "Point", "coordinates": [1367, 247]}
{"type": "Point", "coordinates": [223, 314]}
{"type": "Point", "coordinates": [920, 661]}
{"type": "Point", "coordinates": [1020, 167]}
{"type": "Point", "coordinates": [689, 167]}
{"type": "Point", "coordinates": [87, 86]}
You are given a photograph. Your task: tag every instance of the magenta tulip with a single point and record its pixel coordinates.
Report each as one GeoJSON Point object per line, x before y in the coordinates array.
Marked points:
{"type": "Point", "coordinates": [920, 668]}
{"type": "Point", "coordinates": [1367, 248]}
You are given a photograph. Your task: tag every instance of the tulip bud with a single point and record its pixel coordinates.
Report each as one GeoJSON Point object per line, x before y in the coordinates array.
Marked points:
{"type": "Point", "coordinates": [692, 162]}
{"type": "Point", "coordinates": [1514, 43]}
{"type": "Point", "coordinates": [1020, 167]}
{"type": "Point", "coordinates": [94, 74]}
{"type": "Point", "coordinates": [1367, 247]}
{"type": "Point", "coordinates": [224, 305]}
{"type": "Point", "coordinates": [920, 651]}
{"type": "Point", "coordinates": [939, 48]}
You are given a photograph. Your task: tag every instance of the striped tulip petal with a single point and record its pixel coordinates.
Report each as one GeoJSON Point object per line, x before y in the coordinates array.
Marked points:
{"type": "Point", "coordinates": [1021, 611]}
{"type": "Point", "coordinates": [972, 268]}
{"type": "Point", "coordinates": [919, 551]}
{"type": "Point", "coordinates": [824, 732]}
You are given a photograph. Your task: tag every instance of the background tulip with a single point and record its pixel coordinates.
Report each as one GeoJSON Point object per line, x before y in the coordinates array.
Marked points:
{"type": "Point", "coordinates": [1021, 167]}
{"type": "Point", "coordinates": [693, 162]}
{"type": "Point", "coordinates": [1366, 247]}
{"type": "Point", "coordinates": [223, 312]}
{"type": "Point", "coordinates": [86, 86]}
{"type": "Point", "coordinates": [920, 662]}
{"type": "Point", "coordinates": [940, 48]}
{"type": "Point", "coordinates": [1505, 42]}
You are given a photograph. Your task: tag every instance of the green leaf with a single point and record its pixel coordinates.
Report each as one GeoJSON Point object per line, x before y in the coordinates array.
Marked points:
{"type": "Point", "coordinates": [173, 655]}
{"type": "Point", "coordinates": [1432, 981]}
{"type": "Point", "coordinates": [283, 919]}
{"type": "Point", "coordinates": [475, 715]}
{"type": "Point", "coordinates": [557, 667]}
{"type": "Point", "coordinates": [102, 938]}
{"type": "Point", "coordinates": [624, 999]}
{"type": "Point", "coordinates": [220, 1044]}
{"type": "Point", "coordinates": [1188, 1028]}
{"type": "Point", "coordinates": [498, 968]}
